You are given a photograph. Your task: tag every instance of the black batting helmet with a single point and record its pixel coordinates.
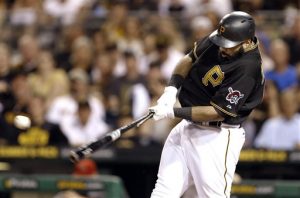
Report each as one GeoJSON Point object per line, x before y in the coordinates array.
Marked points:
{"type": "Point", "coordinates": [233, 29]}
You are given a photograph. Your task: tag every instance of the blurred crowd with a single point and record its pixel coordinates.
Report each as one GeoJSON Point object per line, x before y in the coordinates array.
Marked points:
{"type": "Point", "coordinates": [72, 70]}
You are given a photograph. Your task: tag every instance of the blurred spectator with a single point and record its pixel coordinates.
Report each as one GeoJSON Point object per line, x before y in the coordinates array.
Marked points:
{"type": "Point", "coordinates": [282, 132]}
{"type": "Point", "coordinates": [28, 53]}
{"type": "Point", "coordinates": [5, 74]}
{"type": "Point", "coordinates": [82, 54]}
{"type": "Point", "coordinates": [102, 73]}
{"type": "Point", "coordinates": [100, 8]}
{"type": "Point", "coordinates": [64, 44]}
{"type": "Point", "coordinates": [128, 95]}
{"type": "Point", "coordinates": [114, 23]}
{"type": "Point", "coordinates": [131, 40]}
{"type": "Point", "coordinates": [167, 55]}
{"type": "Point", "coordinates": [158, 130]}
{"type": "Point", "coordinates": [201, 26]}
{"type": "Point", "coordinates": [283, 75]}
{"type": "Point", "coordinates": [266, 110]}
{"type": "Point", "coordinates": [100, 41]}
{"type": "Point", "coordinates": [48, 81]}
{"type": "Point", "coordinates": [293, 40]}
{"type": "Point", "coordinates": [21, 94]}
{"type": "Point", "coordinates": [87, 168]}
{"type": "Point", "coordinates": [64, 11]}
{"type": "Point", "coordinates": [67, 105]}
{"type": "Point", "coordinates": [25, 12]}
{"type": "Point", "coordinates": [117, 59]}
{"type": "Point", "coordinates": [149, 52]}
{"type": "Point", "coordinates": [41, 132]}
{"type": "Point", "coordinates": [17, 102]}
{"type": "Point", "coordinates": [82, 128]}
{"type": "Point", "coordinates": [190, 8]}
{"type": "Point", "coordinates": [3, 12]}
{"type": "Point", "coordinates": [168, 27]}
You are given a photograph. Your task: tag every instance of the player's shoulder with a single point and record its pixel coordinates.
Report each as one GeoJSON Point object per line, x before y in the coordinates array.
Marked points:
{"type": "Point", "coordinates": [201, 46]}
{"type": "Point", "coordinates": [250, 62]}
{"type": "Point", "coordinates": [203, 43]}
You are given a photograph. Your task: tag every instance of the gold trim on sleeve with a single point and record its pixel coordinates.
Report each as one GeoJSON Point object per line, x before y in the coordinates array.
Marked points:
{"type": "Point", "coordinates": [223, 110]}
{"type": "Point", "coordinates": [194, 50]}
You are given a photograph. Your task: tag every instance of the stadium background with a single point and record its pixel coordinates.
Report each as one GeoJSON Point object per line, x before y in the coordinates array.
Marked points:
{"type": "Point", "coordinates": [79, 68]}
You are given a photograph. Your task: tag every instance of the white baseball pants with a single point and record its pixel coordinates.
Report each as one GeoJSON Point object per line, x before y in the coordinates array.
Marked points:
{"type": "Point", "coordinates": [199, 155]}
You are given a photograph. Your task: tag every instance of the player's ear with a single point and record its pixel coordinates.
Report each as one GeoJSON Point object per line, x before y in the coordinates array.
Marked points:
{"type": "Point", "coordinates": [247, 43]}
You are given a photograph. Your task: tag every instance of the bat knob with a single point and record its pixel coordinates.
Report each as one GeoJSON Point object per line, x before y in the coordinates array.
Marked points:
{"type": "Point", "coordinates": [74, 157]}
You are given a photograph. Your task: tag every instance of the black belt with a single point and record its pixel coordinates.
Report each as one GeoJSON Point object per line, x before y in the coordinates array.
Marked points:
{"type": "Point", "coordinates": [210, 124]}
{"type": "Point", "coordinates": [217, 124]}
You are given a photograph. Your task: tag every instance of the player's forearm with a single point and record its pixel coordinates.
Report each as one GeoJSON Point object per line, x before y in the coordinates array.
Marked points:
{"type": "Point", "coordinates": [198, 113]}
{"type": "Point", "coordinates": [180, 72]}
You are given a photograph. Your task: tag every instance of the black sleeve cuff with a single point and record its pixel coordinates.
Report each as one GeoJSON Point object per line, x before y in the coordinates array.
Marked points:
{"type": "Point", "coordinates": [185, 113]}
{"type": "Point", "coordinates": [176, 81]}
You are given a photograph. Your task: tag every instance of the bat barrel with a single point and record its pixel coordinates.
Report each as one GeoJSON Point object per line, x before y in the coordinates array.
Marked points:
{"type": "Point", "coordinates": [87, 150]}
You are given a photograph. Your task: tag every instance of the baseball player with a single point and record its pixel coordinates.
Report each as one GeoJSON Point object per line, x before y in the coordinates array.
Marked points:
{"type": "Point", "coordinates": [220, 82]}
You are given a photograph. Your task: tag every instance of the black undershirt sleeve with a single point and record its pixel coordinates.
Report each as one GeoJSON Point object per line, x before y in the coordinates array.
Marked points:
{"type": "Point", "coordinates": [176, 81]}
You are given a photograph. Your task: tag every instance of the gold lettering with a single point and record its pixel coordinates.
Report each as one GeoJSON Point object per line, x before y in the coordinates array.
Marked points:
{"type": "Point", "coordinates": [48, 152]}
{"type": "Point", "coordinates": [215, 76]}
{"type": "Point", "coordinates": [261, 155]}
{"type": "Point", "coordinates": [64, 184]}
{"type": "Point", "coordinates": [222, 29]}
{"type": "Point", "coordinates": [243, 189]}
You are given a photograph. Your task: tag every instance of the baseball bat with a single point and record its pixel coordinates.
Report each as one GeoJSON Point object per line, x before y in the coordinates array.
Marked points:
{"type": "Point", "coordinates": [110, 137]}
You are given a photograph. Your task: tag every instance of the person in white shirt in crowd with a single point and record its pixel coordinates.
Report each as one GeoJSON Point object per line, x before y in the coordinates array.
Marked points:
{"type": "Point", "coordinates": [67, 105]}
{"type": "Point", "coordinates": [191, 8]}
{"type": "Point", "coordinates": [130, 91]}
{"type": "Point", "coordinates": [282, 132]}
{"type": "Point", "coordinates": [82, 128]}
{"type": "Point", "coordinates": [201, 26]}
{"type": "Point", "coordinates": [64, 10]}
{"type": "Point", "coordinates": [167, 55]}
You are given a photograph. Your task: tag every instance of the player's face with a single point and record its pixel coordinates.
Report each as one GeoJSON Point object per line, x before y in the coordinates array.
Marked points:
{"type": "Point", "coordinates": [230, 52]}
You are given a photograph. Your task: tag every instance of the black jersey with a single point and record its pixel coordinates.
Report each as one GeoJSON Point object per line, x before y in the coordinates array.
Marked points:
{"type": "Point", "coordinates": [233, 87]}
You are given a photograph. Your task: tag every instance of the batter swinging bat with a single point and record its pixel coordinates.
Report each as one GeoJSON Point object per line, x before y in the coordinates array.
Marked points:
{"type": "Point", "coordinates": [110, 137]}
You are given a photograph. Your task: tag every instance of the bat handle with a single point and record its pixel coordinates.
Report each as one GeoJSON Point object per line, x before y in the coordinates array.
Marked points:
{"type": "Point", "coordinates": [79, 154]}
{"type": "Point", "coordinates": [150, 115]}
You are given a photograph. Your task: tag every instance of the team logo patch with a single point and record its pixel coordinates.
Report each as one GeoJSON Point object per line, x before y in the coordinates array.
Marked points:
{"type": "Point", "coordinates": [234, 96]}
{"type": "Point", "coordinates": [222, 29]}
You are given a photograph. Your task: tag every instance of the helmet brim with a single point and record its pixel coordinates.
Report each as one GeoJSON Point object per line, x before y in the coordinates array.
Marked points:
{"type": "Point", "coordinates": [221, 41]}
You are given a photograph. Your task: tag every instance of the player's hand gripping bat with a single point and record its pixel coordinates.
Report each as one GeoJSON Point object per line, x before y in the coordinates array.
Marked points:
{"type": "Point", "coordinates": [110, 137]}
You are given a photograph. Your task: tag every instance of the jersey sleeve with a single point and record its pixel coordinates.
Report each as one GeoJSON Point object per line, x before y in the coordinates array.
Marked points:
{"type": "Point", "coordinates": [233, 93]}
{"type": "Point", "coordinates": [199, 48]}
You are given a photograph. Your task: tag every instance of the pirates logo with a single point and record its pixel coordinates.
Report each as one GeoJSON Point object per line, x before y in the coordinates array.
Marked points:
{"type": "Point", "coordinates": [234, 96]}
{"type": "Point", "coordinates": [222, 29]}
